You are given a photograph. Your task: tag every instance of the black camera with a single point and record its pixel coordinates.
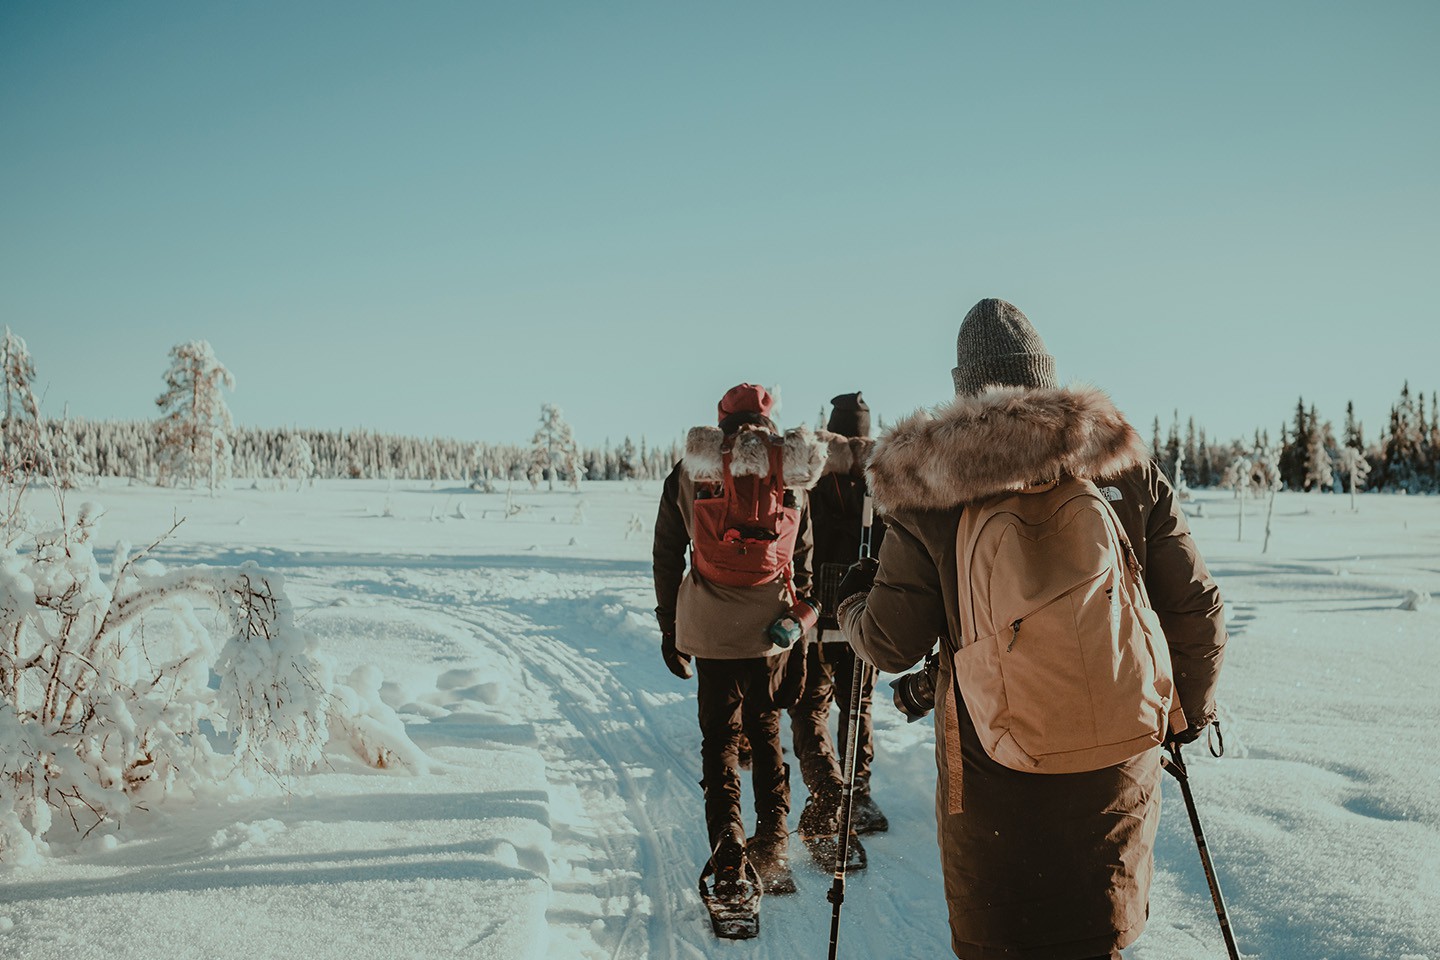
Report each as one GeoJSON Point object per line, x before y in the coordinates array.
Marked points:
{"type": "Point", "coordinates": [915, 692]}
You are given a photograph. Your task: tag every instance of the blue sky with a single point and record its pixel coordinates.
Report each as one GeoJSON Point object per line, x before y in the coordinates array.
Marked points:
{"type": "Point", "coordinates": [433, 217]}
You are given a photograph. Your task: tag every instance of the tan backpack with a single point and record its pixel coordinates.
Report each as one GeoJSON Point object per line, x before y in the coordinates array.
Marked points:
{"type": "Point", "coordinates": [1063, 666]}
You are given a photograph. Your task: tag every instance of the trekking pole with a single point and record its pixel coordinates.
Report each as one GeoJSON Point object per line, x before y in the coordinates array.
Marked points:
{"type": "Point", "coordinates": [860, 672]}
{"type": "Point", "coordinates": [1175, 766]}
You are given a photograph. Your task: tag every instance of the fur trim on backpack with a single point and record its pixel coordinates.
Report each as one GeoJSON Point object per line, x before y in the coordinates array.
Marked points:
{"type": "Point", "coordinates": [805, 456]}
{"type": "Point", "coordinates": [846, 454]}
{"type": "Point", "coordinates": [1006, 438]}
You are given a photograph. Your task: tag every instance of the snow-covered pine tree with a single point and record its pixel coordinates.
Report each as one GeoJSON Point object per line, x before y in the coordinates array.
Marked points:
{"type": "Point", "coordinates": [20, 438]}
{"type": "Point", "coordinates": [1354, 431]}
{"type": "Point", "coordinates": [1205, 468]}
{"type": "Point", "coordinates": [1191, 451]}
{"type": "Point", "coordinates": [1425, 429]}
{"type": "Point", "coordinates": [1318, 463]}
{"type": "Point", "coordinates": [1434, 440]}
{"type": "Point", "coordinates": [627, 458]}
{"type": "Point", "coordinates": [1172, 450]}
{"type": "Point", "coordinates": [1355, 468]}
{"type": "Point", "coordinates": [553, 449]}
{"type": "Point", "coordinates": [194, 429]}
{"type": "Point", "coordinates": [66, 463]}
{"type": "Point", "coordinates": [1294, 448]}
{"type": "Point", "coordinates": [1182, 486]}
{"type": "Point", "coordinates": [1266, 477]}
{"type": "Point", "coordinates": [1401, 446]}
{"type": "Point", "coordinates": [1239, 476]}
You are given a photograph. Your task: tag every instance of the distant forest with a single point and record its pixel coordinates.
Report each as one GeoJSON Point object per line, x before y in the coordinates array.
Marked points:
{"type": "Point", "coordinates": [193, 440]}
{"type": "Point", "coordinates": [134, 449]}
{"type": "Point", "coordinates": [1309, 453]}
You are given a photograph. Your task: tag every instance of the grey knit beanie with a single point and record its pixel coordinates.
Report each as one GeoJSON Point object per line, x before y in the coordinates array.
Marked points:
{"type": "Point", "coordinates": [997, 346]}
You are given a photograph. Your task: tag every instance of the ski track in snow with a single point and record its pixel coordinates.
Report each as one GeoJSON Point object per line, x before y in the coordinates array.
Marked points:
{"type": "Point", "coordinates": [624, 776]}
{"type": "Point", "coordinates": [599, 748]}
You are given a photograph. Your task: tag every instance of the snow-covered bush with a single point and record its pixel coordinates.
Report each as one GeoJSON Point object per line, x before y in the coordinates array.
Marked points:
{"type": "Point", "coordinates": [115, 695]}
{"type": "Point", "coordinates": [297, 460]}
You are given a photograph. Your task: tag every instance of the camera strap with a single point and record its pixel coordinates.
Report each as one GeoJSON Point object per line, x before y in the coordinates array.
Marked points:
{"type": "Point", "coordinates": [954, 759]}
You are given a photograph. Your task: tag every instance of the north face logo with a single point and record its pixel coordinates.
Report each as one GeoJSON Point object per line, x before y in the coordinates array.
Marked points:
{"type": "Point", "coordinates": [1111, 493]}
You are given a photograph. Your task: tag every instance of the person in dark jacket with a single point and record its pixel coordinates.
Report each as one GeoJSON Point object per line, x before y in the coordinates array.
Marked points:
{"type": "Point", "coordinates": [741, 673]}
{"type": "Point", "coordinates": [836, 510]}
{"type": "Point", "coordinates": [1041, 866]}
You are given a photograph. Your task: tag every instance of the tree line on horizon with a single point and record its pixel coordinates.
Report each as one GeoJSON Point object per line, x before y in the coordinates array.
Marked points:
{"type": "Point", "coordinates": [195, 442]}
{"type": "Point", "coordinates": [1310, 455]}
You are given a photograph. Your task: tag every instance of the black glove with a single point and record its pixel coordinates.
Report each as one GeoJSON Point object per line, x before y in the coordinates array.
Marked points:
{"type": "Point", "coordinates": [858, 579]}
{"type": "Point", "coordinates": [676, 662]}
{"type": "Point", "coordinates": [1189, 735]}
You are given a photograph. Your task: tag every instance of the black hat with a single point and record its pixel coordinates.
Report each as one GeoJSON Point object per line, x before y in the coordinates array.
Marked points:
{"type": "Point", "coordinates": [849, 415]}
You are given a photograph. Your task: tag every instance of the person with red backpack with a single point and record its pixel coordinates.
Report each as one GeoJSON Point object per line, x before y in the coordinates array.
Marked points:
{"type": "Point", "coordinates": [1029, 530]}
{"type": "Point", "coordinates": [736, 504]}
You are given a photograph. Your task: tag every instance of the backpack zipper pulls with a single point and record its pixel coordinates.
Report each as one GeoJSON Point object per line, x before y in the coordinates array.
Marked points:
{"type": "Point", "coordinates": [1014, 634]}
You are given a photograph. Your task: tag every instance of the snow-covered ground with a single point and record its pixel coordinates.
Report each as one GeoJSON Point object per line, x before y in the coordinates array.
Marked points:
{"type": "Point", "coordinates": [560, 815]}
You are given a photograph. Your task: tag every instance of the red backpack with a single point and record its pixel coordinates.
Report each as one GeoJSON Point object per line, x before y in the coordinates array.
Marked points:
{"type": "Point", "coordinates": [744, 534]}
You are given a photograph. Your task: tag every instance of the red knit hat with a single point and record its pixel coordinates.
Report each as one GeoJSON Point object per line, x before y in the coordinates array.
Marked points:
{"type": "Point", "coordinates": [746, 398]}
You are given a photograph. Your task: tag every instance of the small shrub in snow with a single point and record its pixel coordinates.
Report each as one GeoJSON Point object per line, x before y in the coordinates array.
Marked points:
{"type": "Point", "coordinates": [297, 460]}
{"type": "Point", "coordinates": [100, 716]}
{"type": "Point", "coordinates": [1354, 465]}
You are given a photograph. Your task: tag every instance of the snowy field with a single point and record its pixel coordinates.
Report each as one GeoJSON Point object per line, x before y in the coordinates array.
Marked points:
{"type": "Point", "coordinates": [560, 817]}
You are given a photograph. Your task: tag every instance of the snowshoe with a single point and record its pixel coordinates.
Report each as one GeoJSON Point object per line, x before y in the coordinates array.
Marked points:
{"type": "Point", "coordinates": [772, 862]}
{"type": "Point", "coordinates": [825, 848]}
{"type": "Point", "coordinates": [866, 816]}
{"type": "Point", "coordinates": [733, 900]}
{"type": "Point", "coordinates": [820, 832]}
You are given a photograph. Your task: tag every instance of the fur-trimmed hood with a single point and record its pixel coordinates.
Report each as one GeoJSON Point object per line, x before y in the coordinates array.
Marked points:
{"type": "Point", "coordinates": [1006, 438]}
{"type": "Point", "coordinates": [806, 457]}
{"type": "Point", "coordinates": [845, 454]}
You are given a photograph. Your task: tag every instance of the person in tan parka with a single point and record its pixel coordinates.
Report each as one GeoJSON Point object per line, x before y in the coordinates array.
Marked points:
{"type": "Point", "coordinates": [1039, 866]}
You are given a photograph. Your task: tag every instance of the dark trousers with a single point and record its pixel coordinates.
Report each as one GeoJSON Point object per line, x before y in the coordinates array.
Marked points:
{"type": "Point", "coordinates": [830, 676]}
{"type": "Point", "coordinates": [734, 698]}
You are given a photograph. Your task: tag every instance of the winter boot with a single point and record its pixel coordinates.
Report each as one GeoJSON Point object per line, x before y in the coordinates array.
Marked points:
{"type": "Point", "coordinates": [769, 852]}
{"type": "Point", "coordinates": [865, 814]}
{"type": "Point", "coordinates": [729, 863]}
{"type": "Point", "coordinates": [733, 897]}
{"type": "Point", "coordinates": [818, 816]}
{"type": "Point", "coordinates": [819, 829]}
